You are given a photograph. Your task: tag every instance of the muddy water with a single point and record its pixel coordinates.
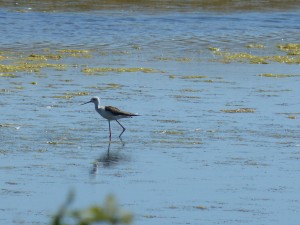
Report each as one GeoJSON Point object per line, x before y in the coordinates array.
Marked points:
{"type": "Point", "coordinates": [218, 139]}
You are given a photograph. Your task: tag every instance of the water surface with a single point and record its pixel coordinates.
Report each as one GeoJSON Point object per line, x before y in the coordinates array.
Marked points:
{"type": "Point", "coordinates": [187, 159]}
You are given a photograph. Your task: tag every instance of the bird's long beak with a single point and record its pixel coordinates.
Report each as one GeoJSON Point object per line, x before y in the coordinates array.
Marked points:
{"type": "Point", "coordinates": [86, 103]}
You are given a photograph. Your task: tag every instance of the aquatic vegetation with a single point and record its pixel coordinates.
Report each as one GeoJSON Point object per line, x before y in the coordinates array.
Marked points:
{"type": "Point", "coordinates": [169, 121]}
{"type": "Point", "coordinates": [243, 58]}
{"type": "Point", "coordinates": [240, 110]}
{"type": "Point", "coordinates": [291, 115]}
{"type": "Point", "coordinates": [178, 59]}
{"type": "Point", "coordinates": [186, 97]}
{"type": "Point", "coordinates": [183, 59]}
{"type": "Point", "coordinates": [292, 55]}
{"type": "Point", "coordinates": [59, 143]}
{"type": "Point", "coordinates": [29, 67]}
{"type": "Point", "coordinates": [278, 75]}
{"type": "Point", "coordinates": [289, 47]}
{"type": "Point", "coordinates": [194, 77]}
{"type": "Point", "coordinates": [200, 207]}
{"type": "Point", "coordinates": [11, 75]}
{"type": "Point", "coordinates": [36, 57]}
{"type": "Point", "coordinates": [190, 90]}
{"type": "Point", "coordinates": [107, 86]}
{"type": "Point", "coordinates": [113, 85]}
{"type": "Point", "coordinates": [70, 95]}
{"type": "Point", "coordinates": [214, 49]}
{"type": "Point", "coordinates": [108, 213]}
{"type": "Point", "coordinates": [75, 53]}
{"type": "Point", "coordinates": [19, 87]}
{"type": "Point", "coordinates": [90, 71]}
{"type": "Point", "coordinates": [264, 91]}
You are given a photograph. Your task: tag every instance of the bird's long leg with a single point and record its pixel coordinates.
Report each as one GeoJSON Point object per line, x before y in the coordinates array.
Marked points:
{"type": "Point", "coordinates": [122, 127]}
{"type": "Point", "coordinates": [109, 130]}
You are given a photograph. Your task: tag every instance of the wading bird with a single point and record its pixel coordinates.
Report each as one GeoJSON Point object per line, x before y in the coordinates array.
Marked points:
{"type": "Point", "coordinates": [110, 113]}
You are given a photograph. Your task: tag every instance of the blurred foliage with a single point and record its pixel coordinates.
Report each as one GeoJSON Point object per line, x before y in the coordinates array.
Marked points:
{"type": "Point", "coordinates": [108, 213]}
{"type": "Point", "coordinates": [157, 5]}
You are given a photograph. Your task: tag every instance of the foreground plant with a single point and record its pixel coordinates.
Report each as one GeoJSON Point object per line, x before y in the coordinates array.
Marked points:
{"type": "Point", "coordinates": [109, 213]}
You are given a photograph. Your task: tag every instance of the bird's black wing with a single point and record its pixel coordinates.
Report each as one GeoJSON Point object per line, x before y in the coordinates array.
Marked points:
{"type": "Point", "coordinates": [115, 111]}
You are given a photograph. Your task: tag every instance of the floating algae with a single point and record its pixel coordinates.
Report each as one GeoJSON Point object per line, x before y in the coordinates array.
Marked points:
{"type": "Point", "coordinates": [186, 97]}
{"type": "Point", "coordinates": [200, 207]}
{"type": "Point", "coordinates": [75, 53]}
{"type": "Point", "coordinates": [243, 58]}
{"type": "Point", "coordinates": [107, 86]}
{"type": "Point", "coordinates": [90, 71]}
{"type": "Point", "coordinates": [214, 49]}
{"type": "Point", "coordinates": [190, 90]}
{"type": "Point", "coordinates": [59, 143]}
{"type": "Point", "coordinates": [70, 95]}
{"type": "Point", "coordinates": [169, 121]}
{"type": "Point", "coordinates": [194, 77]}
{"type": "Point", "coordinates": [278, 75]}
{"type": "Point", "coordinates": [29, 67]}
{"type": "Point", "coordinates": [290, 48]}
{"type": "Point", "coordinates": [36, 57]}
{"type": "Point", "coordinates": [292, 116]}
{"type": "Point", "coordinates": [179, 59]}
{"type": "Point", "coordinates": [71, 51]}
{"type": "Point", "coordinates": [292, 55]}
{"type": "Point", "coordinates": [11, 75]}
{"type": "Point", "coordinates": [240, 110]}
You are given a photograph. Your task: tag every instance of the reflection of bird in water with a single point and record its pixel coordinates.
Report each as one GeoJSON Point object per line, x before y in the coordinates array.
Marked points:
{"type": "Point", "coordinates": [110, 113]}
{"type": "Point", "coordinates": [108, 159]}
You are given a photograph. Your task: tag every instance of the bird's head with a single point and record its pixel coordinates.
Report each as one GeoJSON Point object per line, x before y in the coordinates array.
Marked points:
{"type": "Point", "coordinates": [95, 100]}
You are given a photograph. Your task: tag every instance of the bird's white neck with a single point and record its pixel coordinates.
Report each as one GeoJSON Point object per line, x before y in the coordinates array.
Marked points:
{"type": "Point", "coordinates": [97, 105]}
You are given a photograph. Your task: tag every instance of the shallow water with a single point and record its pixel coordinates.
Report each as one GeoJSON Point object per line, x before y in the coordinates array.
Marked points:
{"type": "Point", "coordinates": [186, 159]}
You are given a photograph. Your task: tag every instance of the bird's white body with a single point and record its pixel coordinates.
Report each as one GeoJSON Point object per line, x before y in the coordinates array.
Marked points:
{"type": "Point", "coordinates": [110, 113]}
